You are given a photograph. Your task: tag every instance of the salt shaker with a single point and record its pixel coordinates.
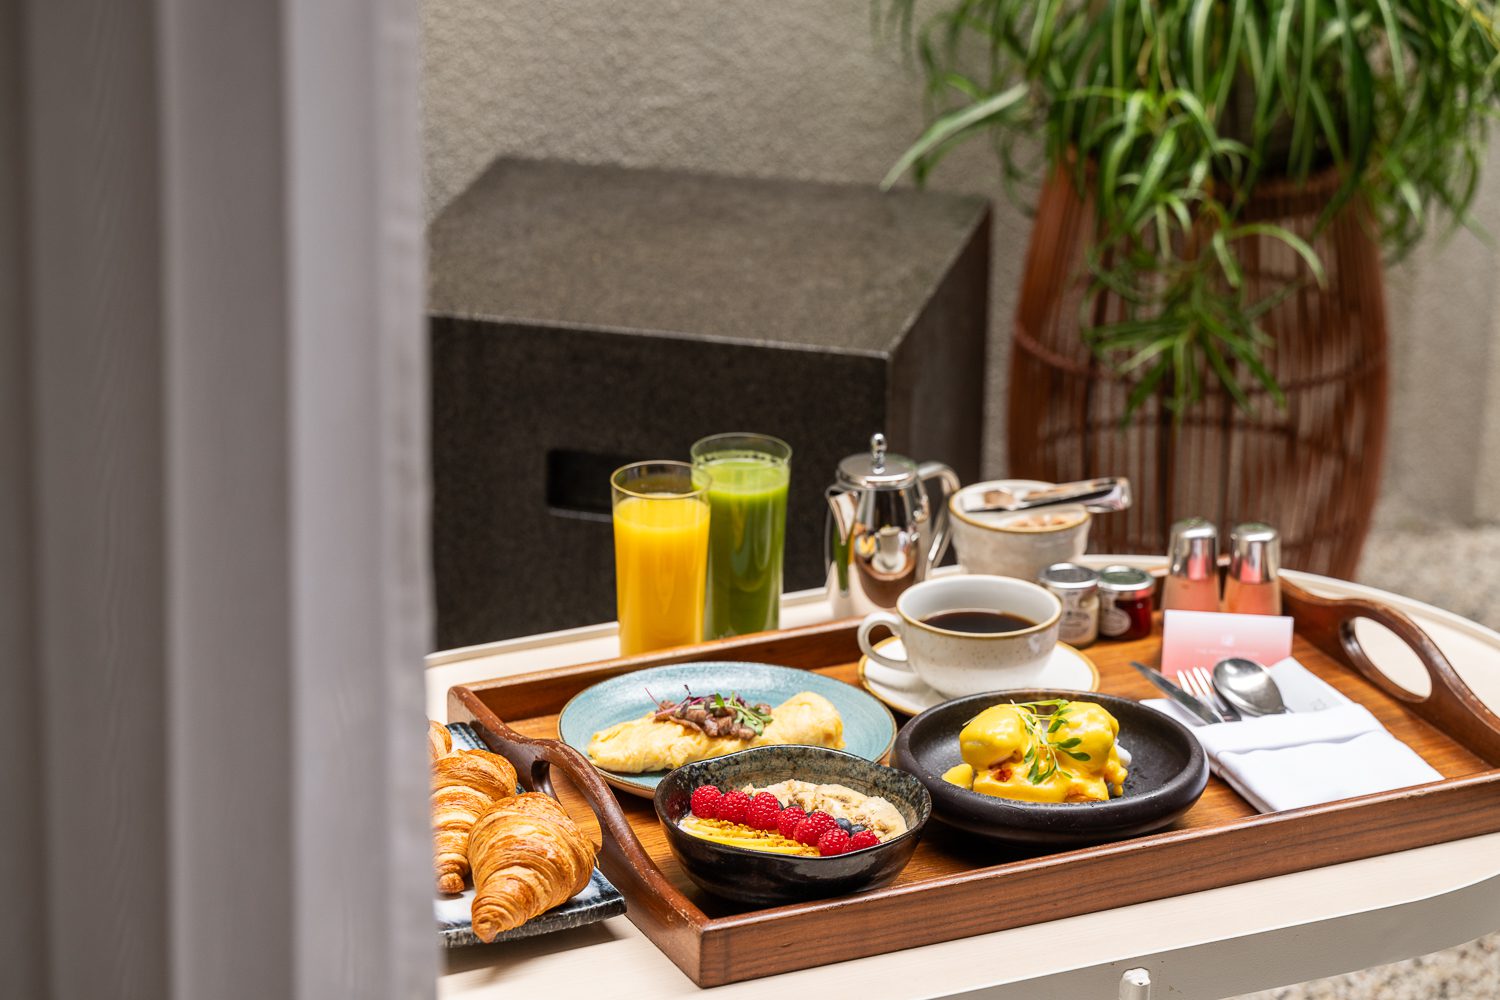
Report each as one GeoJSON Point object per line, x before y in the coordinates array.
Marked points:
{"type": "Point", "coordinates": [1192, 582]}
{"type": "Point", "coordinates": [1253, 586]}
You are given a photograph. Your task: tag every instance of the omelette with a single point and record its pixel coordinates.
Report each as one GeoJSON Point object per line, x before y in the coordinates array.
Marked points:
{"type": "Point", "coordinates": [646, 744]}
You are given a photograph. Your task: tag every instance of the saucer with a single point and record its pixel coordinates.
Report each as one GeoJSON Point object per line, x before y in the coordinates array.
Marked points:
{"type": "Point", "coordinates": [1068, 669]}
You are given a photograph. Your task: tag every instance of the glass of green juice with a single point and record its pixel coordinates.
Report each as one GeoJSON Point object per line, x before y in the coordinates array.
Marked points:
{"type": "Point", "coordinates": [748, 478]}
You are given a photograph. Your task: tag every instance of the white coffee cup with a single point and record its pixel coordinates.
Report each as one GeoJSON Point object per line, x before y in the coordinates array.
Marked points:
{"type": "Point", "coordinates": [958, 663]}
{"type": "Point", "coordinates": [1020, 543]}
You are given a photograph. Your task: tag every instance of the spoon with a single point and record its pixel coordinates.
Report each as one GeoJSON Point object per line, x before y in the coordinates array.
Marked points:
{"type": "Point", "coordinates": [1098, 496]}
{"type": "Point", "coordinates": [1248, 686]}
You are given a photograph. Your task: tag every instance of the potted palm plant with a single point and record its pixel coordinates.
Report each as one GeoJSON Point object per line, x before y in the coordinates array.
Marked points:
{"type": "Point", "coordinates": [1202, 307]}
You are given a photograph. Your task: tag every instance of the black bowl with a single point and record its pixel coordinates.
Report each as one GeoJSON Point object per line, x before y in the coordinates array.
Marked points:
{"type": "Point", "coordinates": [1168, 772]}
{"type": "Point", "coordinates": [762, 879]}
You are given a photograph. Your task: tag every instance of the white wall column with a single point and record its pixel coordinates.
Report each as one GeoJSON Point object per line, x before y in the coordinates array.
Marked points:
{"type": "Point", "coordinates": [23, 916]}
{"type": "Point", "coordinates": [99, 522]}
{"type": "Point", "coordinates": [213, 502]}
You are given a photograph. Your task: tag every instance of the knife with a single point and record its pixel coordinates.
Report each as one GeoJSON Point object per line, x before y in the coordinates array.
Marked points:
{"type": "Point", "coordinates": [1177, 694]}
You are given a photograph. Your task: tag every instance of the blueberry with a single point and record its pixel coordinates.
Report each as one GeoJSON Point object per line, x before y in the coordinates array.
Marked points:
{"type": "Point", "coordinates": [843, 825]}
{"type": "Point", "coordinates": [852, 830]}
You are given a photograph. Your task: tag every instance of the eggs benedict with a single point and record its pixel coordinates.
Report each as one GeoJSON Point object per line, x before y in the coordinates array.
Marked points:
{"type": "Point", "coordinates": [1051, 751]}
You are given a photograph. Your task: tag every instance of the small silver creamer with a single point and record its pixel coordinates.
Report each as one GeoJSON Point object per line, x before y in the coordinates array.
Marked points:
{"type": "Point", "coordinates": [883, 534]}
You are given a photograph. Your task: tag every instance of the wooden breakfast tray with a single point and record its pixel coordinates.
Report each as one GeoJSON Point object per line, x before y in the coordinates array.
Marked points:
{"type": "Point", "coordinates": [956, 886]}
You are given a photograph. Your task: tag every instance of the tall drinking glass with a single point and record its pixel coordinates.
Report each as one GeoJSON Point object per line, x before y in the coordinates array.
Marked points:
{"type": "Point", "coordinates": [661, 520]}
{"type": "Point", "coordinates": [748, 478]}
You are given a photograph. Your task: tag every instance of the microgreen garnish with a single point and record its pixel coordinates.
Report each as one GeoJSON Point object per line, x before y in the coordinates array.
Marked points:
{"type": "Point", "coordinates": [1043, 752]}
{"type": "Point", "coordinates": [752, 716]}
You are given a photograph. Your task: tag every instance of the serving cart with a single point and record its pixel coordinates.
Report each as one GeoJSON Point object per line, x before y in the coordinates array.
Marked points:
{"type": "Point", "coordinates": [1206, 944]}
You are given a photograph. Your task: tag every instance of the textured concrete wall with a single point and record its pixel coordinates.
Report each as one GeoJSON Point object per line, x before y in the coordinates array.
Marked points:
{"type": "Point", "coordinates": [798, 89]}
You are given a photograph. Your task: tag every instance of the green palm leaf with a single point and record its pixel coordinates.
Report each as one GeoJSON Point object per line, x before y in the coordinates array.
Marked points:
{"type": "Point", "coordinates": [1168, 113]}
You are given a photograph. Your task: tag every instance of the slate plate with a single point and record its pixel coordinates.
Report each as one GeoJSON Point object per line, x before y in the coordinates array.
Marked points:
{"type": "Point", "coordinates": [597, 900]}
{"type": "Point", "coordinates": [869, 727]}
{"type": "Point", "coordinates": [1168, 772]}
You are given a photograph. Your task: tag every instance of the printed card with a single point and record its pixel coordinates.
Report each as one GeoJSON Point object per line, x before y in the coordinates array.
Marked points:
{"type": "Point", "coordinates": [1203, 638]}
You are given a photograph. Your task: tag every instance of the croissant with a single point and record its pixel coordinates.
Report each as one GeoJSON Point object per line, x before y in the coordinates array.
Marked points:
{"type": "Point", "coordinates": [439, 740]}
{"type": "Point", "coordinates": [528, 857]}
{"type": "Point", "coordinates": [540, 805]}
{"type": "Point", "coordinates": [464, 785]}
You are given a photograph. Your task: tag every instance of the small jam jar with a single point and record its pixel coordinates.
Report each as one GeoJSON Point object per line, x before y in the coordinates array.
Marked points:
{"type": "Point", "coordinates": [1125, 602]}
{"type": "Point", "coordinates": [1077, 588]}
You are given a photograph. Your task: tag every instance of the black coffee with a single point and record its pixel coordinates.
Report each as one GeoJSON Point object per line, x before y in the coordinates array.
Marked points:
{"type": "Point", "coordinates": [979, 622]}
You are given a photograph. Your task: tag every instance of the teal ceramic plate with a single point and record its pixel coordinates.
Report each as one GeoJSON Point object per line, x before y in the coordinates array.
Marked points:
{"type": "Point", "coordinates": [869, 727]}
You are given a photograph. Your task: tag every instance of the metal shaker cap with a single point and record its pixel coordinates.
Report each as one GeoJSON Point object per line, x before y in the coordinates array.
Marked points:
{"type": "Point", "coordinates": [877, 470]}
{"type": "Point", "coordinates": [1193, 551]}
{"type": "Point", "coordinates": [1254, 553]}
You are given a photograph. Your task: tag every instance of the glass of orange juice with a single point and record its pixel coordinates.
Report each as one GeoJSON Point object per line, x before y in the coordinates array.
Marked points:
{"type": "Point", "coordinates": [661, 554]}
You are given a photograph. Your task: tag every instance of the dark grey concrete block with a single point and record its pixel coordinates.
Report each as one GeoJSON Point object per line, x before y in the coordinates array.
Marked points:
{"type": "Point", "coordinates": [583, 317]}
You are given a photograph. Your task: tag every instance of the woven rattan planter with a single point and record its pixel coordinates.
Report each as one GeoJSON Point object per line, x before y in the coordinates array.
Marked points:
{"type": "Point", "coordinates": [1312, 468]}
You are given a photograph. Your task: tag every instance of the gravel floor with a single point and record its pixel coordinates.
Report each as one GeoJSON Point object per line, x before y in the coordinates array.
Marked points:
{"type": "Point", "coordinates": [1420, 564]}
{"type": "Point", "coordinates": [1468, 972]}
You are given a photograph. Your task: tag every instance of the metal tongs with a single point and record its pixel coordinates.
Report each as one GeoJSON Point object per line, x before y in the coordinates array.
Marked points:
{"type": "Point", "coordinates": [1097, 496]}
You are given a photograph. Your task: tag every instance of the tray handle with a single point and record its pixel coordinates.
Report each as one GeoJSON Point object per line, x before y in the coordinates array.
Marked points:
{"type": "Point", "coordinates": [1451, 706]}
{"type": "Point", "coordinates": [622, 858]}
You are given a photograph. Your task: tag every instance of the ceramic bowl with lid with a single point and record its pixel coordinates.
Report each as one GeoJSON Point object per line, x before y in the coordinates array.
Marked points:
{"type": "Point", "coordinates": [1019, 543]}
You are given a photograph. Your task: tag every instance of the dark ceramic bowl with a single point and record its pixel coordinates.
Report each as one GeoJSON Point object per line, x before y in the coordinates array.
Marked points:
{"type": "Point", "coordinates": [762, 879]}
{"type": "Point", "coordinates": [1168, 772]}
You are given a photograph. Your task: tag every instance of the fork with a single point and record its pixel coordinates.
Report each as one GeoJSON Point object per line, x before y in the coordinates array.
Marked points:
{"type": "Point", "coordinates": [1199, 683]}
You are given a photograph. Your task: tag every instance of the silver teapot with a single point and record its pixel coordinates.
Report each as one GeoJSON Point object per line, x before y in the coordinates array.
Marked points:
{"type": "Point", "coordinates": [883, 534]}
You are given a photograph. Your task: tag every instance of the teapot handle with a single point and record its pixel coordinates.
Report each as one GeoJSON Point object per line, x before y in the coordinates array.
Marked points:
{"type": "Point", "coordinates": [941, 527]}
{"type": "Point", "coordinates": [836, 528]}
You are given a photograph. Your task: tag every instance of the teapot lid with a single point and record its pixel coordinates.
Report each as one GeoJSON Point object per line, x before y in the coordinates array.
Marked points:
{"type": "Point", "coordinates": [878, 470]}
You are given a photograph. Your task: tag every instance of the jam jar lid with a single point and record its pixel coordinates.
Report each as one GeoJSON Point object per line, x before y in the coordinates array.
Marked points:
{"type": "Point", "coordinates": [1068, 576]}
{"type": "Point", "coordinates": [1126, 581]}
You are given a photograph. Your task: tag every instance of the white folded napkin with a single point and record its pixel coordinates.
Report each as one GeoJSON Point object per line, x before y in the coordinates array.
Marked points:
{"type": "Point", "coordinates": [1326, 748]}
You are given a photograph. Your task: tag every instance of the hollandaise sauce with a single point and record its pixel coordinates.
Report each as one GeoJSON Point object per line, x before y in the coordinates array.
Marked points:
{"type": "Point", "coordinates": [1022, 751]}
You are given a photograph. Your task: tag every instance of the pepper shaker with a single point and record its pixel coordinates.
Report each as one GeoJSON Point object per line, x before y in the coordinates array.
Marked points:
{"type": "Point", "coordinates": [1192, 582]}
{"type": "Point", "coordinates": [1253, 586]}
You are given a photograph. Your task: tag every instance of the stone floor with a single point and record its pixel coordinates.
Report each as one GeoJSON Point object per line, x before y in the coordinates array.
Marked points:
{"type": "Point", "coordinates": [1422, 564]}
{"type": "Point", "coordinates": [1453, 568]}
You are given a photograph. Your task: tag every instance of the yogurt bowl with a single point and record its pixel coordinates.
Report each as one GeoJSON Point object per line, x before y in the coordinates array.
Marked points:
{"type": "Point", "coordinates": [768, 879]}
{"type": "Point", "coordinates": [1019, 543]}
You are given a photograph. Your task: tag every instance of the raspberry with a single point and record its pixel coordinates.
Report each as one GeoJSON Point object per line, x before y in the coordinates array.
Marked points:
{"type": "Point", "coordinates": [810, 829]}
{"type": "Point", "coordinates": [835, 841]}
{"type": "Point", "coordinates": [863, 839]}
{"type": "Point", "coordinates": [732, 806]}
{"type": "Point", "coordinates": [786, 823]}
{"type": "Point", "coordinates": [763, 813]}
{"type": "Point", "coordinates": [706, 801]}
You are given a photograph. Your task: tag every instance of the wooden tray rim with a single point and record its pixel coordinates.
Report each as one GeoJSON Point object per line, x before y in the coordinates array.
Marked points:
{"type": "Point", "coordinates": [1458, 802]}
